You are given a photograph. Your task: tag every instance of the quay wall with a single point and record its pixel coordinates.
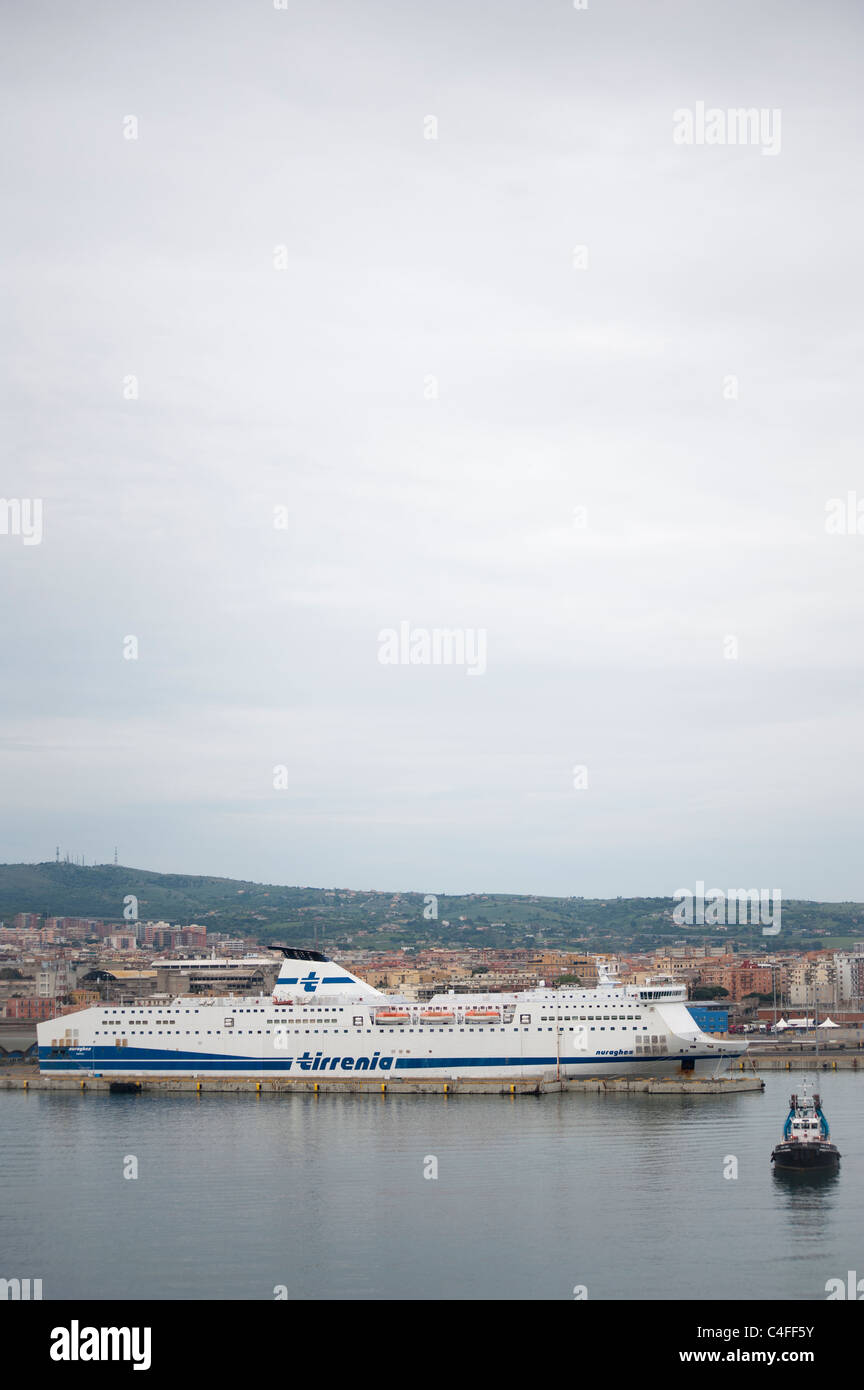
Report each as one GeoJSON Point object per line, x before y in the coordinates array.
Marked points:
{"type": "Point", "coordinates": [26, 1078]}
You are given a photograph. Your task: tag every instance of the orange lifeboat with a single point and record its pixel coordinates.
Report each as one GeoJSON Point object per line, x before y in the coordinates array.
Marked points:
{"type": "Point", "coordinates": [437, 1016]}
{"type": "Point", "coordinates": [391, 1016]}
{"type": "Point", "coordinates": [482, 1016]}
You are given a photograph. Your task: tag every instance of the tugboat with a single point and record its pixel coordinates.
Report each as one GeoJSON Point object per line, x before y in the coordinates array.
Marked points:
{"type": "Point", "coordinates": [805, 1143]}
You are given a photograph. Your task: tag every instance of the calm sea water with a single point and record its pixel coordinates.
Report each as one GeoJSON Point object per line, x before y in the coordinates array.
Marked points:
{"type": "Point", "coordinates": [326, 1196]}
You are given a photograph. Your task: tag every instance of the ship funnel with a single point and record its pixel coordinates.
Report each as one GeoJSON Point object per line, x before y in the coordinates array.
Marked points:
{"type": "Point", "coordinates": [308, 975]}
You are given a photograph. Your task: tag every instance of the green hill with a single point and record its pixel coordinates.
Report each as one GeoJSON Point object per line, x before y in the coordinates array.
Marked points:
{"type": "Point", "coordinates": [267, 911]}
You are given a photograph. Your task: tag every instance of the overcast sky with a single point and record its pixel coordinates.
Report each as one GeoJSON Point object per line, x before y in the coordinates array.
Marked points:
{"type": "Point", "coordinates": [392, 338]}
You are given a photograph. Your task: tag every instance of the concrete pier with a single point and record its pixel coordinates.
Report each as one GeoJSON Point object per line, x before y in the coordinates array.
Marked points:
{"type": "Point", "coordinates": [24, 1078]}
{"type": "Point", "coordinates": [805, 1062]}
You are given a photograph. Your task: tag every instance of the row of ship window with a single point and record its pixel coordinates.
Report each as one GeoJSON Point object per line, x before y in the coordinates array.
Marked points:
{"type": "Point", "coordinates": [312, 1008]}
{"type": "Point", "coordinates": [582, 1018]}
{"type": "Point", "coordinates": [163, 1029]}
{"type": "Point", "coordinates": [358, 1021]}
{"type": "Point", "coordinates": [545, 1018]}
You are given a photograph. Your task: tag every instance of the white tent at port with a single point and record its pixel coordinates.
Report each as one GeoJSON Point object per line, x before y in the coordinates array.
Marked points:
{"type": "Point", "coordinates": [781, 1026]}
{"type": "Point", "coordinates": [829, 1024]}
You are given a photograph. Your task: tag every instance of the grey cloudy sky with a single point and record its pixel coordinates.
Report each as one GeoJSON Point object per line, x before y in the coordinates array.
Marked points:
{"type": "Point", "coordinates": [307, 388]}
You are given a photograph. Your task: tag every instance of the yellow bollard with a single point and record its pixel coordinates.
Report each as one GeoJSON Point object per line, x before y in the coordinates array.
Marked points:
{"type": "Point", "coordinates": [197, 1085]}
{"type": "Point", "coordinates": [258, 1086]}
{"type": "Point", "coordinates": [383, 1087]}
{"type": "Point", "coordinates": [315, 1088]}
{"type": "Point", "coordinates": [446, 1088]}
{"type": "Point", "coordinates": [83, 1085]}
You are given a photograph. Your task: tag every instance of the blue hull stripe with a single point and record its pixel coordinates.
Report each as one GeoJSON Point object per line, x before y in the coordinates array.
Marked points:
{"type": "Point", "coordinates": [133, 1059]}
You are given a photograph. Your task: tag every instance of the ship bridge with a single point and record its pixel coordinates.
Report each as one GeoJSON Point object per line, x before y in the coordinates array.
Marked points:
{"type": "Point", "coordinates": [657, 993]}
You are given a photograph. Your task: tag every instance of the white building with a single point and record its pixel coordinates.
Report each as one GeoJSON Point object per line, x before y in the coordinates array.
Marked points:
{"type": "Point", "coordinates": [56, 978]}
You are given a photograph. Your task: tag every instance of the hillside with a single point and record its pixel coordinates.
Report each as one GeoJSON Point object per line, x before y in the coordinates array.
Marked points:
{"type": "Point", "coordinates": [378, 919]}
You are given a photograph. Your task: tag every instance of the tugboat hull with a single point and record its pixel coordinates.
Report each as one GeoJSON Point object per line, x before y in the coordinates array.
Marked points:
{"type": "Point", "coordinates": [805, 1156]}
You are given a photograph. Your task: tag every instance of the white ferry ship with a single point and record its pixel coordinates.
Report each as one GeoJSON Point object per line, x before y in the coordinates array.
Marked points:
{"type": "Point", "coordinates": [323, 1019]}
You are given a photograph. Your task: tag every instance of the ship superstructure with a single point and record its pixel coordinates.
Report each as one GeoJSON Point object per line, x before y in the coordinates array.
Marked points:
{"type": "Point", "coordinates": [321, 1018]}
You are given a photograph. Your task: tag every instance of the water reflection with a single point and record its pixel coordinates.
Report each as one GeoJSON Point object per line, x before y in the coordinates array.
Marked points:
{"type": "Point", "coordinates": [801, 1181]}
{"type": "Point", "coordinates": [807, 1199]}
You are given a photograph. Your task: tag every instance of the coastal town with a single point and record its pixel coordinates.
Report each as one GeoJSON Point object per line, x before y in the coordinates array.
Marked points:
{"type": "Point", "coordinates": [51, 966]}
